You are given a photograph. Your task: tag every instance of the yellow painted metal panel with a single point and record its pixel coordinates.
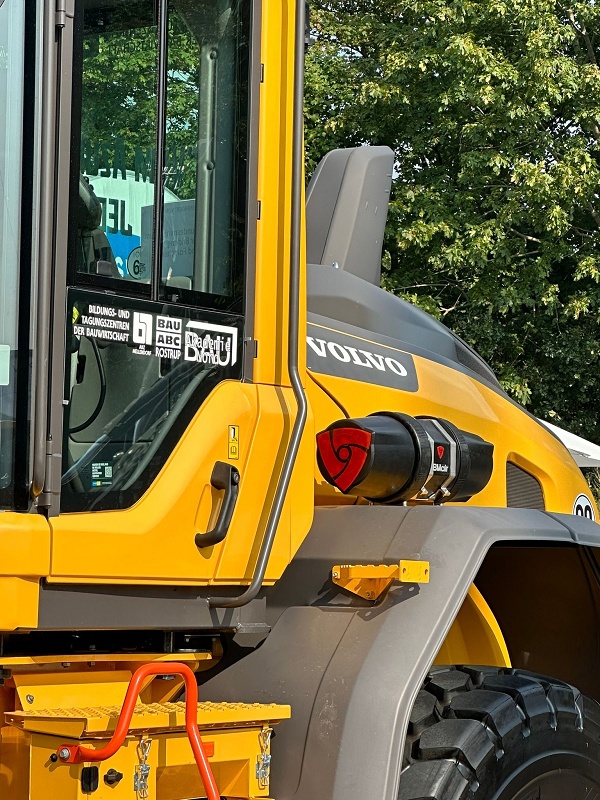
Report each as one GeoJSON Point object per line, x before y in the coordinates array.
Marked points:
{"type": "Point", "coordinates": [275, 416]}
{"type": "Point", "coordinates": [130, 660]}
{"type": "Point", "coordinates": [14, 764]}
{"type": "Point", "coordinates": [24, 544]}
{"type": "Point", "coordinates": [233, 733]}
{"type": "Point", "coordinates": [173, 774]}
{"type": "Point", "coordinates": [234, 766]}
{"type": "Point", "coordinates": [469, 404]}
{"type": "Point", "coordinates": [274, 190]}
{"type": "Point", "coordinates": [475, 636]}
{"type": "Point", "coordinates": [101, 721]}
{"type": "Point", "coordinates": [19, 603]}
{"type": "Point", "coordinates": [71, 689]}
{"type": "Point", "coordinates": [371, 580]}
{"type": "Point", "coordinates": [492, 629]}
{"type": "Point", "coordinates": [57, 781]}
{"type": "Point", "coordinates": [181, 503]}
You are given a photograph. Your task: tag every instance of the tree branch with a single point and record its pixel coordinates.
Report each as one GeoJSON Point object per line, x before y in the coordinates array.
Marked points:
{"type": "Point", "coordinates": [594, 214]}
{"type": "Point", "coordinates": [581, 30]}
{"type": "Point", "coordinates": [525, 236]}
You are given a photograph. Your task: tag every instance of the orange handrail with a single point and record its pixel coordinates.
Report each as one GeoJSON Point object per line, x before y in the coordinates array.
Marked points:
{"type": "Point", "coordinates": [76, 754]}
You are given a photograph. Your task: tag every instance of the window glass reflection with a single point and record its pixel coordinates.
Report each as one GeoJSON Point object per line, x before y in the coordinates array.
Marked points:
{"type": "Point", "coordinates": [118, 125]}
{"type": "Point", "coordinates": [12, 24]}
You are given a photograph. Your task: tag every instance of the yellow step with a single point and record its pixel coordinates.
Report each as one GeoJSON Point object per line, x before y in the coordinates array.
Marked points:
{"type": "Point", "coordinates": [100, 722]}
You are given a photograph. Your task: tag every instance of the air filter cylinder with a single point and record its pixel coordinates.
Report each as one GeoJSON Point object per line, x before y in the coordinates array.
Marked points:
{"type": "Point", "coordinates": [391, 458]}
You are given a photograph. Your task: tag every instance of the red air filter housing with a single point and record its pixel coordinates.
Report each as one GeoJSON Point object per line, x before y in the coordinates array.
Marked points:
{"type": "Point", "coordinates": [344, 453]}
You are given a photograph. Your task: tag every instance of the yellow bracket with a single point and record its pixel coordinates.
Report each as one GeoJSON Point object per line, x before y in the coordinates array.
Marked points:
{"type": "Point", "coordinates": [371, 580]}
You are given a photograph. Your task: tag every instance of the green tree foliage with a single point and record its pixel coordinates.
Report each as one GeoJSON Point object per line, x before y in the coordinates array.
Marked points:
{"type": "Point", "coordinates": [493, 110]}
{"type": "Point", "coordinates": [118, 122]}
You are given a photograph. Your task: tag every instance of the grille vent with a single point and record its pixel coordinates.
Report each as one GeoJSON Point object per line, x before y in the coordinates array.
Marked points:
{"type": "Point", "coordinates": [473, 361]}
{"type": "Point", "coordinates": [522, 489]}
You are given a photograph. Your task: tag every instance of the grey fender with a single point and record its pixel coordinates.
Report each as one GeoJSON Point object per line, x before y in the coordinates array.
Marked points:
{"type": "Point", "coordinates": [351, 669]}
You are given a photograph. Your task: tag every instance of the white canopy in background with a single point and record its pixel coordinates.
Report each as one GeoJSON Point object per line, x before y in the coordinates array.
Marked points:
{"type": "Point", "coordinates": [585, 453]}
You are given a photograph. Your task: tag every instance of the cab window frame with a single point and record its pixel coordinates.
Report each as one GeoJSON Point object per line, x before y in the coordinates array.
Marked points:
{"type": "Point", "coordinates": [245, 156]}
{"type": "Point", "coordinates": [16, 494]}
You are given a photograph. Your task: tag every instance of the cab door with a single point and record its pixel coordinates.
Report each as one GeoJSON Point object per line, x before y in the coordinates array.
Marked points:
{"type": "Point", "coordinates": [158, 396]}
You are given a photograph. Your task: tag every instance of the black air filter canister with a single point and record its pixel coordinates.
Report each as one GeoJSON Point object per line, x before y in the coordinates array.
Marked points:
{"type": "Point", "coordinates": [391, 458]}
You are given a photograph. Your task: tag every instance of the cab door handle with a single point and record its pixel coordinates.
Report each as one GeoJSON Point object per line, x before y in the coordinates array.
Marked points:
{"type": "Point", "coordinates": [226, 478]}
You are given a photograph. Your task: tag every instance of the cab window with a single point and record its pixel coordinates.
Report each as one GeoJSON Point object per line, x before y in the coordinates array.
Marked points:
{"type": "Point", "coordinates": [157, 230]}
{"type": "Point", "coordinates": [16, 20]}
{"type": "Point", "coordinates": [199, 236]}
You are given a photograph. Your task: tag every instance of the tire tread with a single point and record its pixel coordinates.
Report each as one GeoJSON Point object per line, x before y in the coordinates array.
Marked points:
{"type": "Point", "coordinates": [470, 723]}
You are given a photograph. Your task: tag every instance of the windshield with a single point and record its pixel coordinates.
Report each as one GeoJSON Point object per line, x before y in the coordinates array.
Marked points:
{"type": "Point", "coordinates": [12, 36]}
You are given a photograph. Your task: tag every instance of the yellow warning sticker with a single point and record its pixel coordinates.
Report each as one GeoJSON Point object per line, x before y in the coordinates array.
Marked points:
{"type": "Point", "coordinates": [234, 441]}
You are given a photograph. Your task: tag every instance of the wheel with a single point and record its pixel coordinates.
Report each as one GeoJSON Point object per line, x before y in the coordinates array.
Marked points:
{"type": "Point", "coordinates": [483, 733]}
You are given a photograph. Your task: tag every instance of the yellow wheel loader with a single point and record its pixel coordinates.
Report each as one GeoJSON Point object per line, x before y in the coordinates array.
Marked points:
{"type": "Point", "coordinates": [265, 530]}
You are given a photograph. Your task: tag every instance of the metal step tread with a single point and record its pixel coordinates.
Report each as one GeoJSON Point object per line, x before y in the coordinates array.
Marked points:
{"type": "Point", "coordinates": [101, 721]}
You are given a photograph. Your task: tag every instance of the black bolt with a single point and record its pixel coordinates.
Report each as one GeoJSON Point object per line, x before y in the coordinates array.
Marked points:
{"type": "Point", "coordinates": [53, 758]}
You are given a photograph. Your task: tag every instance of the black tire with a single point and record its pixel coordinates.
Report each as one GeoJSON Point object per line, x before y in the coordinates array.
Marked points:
{"type": "Point", "coordinates": [483, 733]}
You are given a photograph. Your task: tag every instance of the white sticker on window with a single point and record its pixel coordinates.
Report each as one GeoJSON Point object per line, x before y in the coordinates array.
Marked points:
{"type": "Point", "coordinates": [4, 364]}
